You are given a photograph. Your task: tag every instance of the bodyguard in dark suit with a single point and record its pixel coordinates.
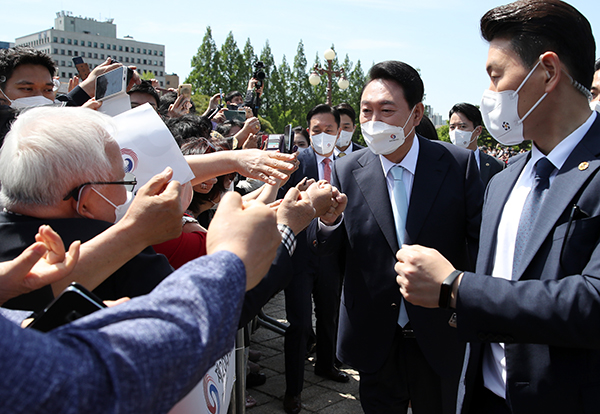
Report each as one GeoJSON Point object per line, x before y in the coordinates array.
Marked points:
{"type": "Point", "coordinates": [465, 127]}
{"type": "Point", "coordinates": [314, 275]}
{"type": "Point", "coordinates": [398, 361]}
{"type": "Point", "coordinates": [531, 312]}
{"type": "Point", "coordinates": [344, 144]}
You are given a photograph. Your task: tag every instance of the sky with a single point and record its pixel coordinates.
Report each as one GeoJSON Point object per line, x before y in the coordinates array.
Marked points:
{"type": "Point", "coordinates": [439, 37]}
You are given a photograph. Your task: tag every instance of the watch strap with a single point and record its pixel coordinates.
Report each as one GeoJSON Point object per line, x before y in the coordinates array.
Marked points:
{"type": "Point", "coordinates": [446, 289]}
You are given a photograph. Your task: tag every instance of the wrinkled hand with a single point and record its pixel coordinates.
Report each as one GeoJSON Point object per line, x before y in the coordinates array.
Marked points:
{"type": "Point", "coordinates": [265, 165]}
{"type": "Point", "coordinates": [156, 210]}
{"type": "Point", "coordinates": [41, 264]}
{"type": "Point", "coordinates": [338, 205]}
{"type": "Point", "coordinates": [296, 210]}
{"type": "Point", "coordinates": [249, 231]}
{"type": "Point", "coordinates": [421, 271]}
{"type": "Point", "coordinates": [321, 197]}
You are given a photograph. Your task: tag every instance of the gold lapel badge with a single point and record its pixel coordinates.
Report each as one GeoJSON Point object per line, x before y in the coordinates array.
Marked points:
{"type": "Point", "coordinates": [584, 166]}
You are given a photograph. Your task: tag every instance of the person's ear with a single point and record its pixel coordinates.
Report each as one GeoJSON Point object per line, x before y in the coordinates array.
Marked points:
{"type": "Point", "coordinates": [478, 130]}
{"type": "Point", "coordinates": [551, 65]}
{"type": "Point", "coordinates": [418, 113]}
{"type": "Point", "coordinates": [83, 207]}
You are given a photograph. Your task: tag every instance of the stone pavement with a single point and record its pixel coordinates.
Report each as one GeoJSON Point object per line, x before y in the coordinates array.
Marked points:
{"type": "Point", "coordinates": [319, 395]}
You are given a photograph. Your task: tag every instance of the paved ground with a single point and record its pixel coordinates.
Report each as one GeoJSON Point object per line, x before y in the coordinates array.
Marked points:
{"type": "Point", "coordinates": [319, 395]}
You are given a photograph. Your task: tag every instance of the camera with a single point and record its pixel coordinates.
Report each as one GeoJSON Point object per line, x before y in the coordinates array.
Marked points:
{"type": "Point", "coordinates": [259, 74]}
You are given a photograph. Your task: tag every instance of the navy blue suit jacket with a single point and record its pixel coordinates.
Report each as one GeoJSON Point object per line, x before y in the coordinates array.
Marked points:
{"type": "Point", "coordinates": [444, 213]}
{"type": "Point", "coordinates": [549, 318]}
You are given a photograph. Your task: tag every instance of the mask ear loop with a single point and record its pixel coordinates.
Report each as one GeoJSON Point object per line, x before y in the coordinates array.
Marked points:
{"type": "Point", "coordinates": [406, 123]}
{"type": "Point", "coordinates": [107, 200]}
{"type": "Point", "coordinates": [523, 83]}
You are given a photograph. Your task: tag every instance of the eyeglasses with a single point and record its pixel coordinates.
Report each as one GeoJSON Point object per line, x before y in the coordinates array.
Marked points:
{"type": "Point", "coordinates": [129, 183]}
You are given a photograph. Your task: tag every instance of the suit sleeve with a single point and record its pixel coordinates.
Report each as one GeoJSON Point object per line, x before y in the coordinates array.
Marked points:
{"type": "Point", "coordinates": [141, 356]}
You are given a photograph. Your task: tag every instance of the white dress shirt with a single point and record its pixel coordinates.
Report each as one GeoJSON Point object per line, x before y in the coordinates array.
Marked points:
{"type": "Point", "coordinates": [494, 360]}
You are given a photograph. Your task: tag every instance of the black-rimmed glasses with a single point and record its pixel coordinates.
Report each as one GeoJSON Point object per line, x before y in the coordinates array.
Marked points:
{"type": "Point", "coordinates": [129, 183]}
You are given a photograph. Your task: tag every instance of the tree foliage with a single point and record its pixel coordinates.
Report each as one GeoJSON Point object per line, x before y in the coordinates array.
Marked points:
{"type": "Point", "coordinates": [287, 97]}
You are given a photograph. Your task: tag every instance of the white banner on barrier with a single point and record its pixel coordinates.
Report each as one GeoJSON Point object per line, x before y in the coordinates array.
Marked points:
{"type": "Point", "coordinates": [213, 394]}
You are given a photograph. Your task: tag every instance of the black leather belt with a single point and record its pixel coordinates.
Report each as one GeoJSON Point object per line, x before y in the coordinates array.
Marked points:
{"type": "Point", "coordinates": [407, 332]}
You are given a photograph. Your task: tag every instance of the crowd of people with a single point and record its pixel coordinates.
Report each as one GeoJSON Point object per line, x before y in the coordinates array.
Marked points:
{"type": "Point", "coordinates": [453, 277]}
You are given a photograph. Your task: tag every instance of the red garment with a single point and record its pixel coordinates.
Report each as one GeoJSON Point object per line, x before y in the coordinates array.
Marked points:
{"type": "Point", "coordinates": [184, 248]}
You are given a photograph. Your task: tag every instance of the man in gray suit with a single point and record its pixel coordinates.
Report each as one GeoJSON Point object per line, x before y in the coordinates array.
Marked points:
{"type": "Point", "coordinates": [466, 126]}
{"type": "Point", "coordinates": [532, 309]}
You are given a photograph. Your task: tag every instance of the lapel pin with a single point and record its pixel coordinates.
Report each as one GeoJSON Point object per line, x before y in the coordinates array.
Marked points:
{"type": "Point", "coordinates": [487, 164]}
{"type": "Point", "coordinates": [584, 166]}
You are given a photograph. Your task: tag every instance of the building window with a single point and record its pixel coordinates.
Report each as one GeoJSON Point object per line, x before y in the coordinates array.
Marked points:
{"type": "Point", "coordinates": [120, 48]}
{"type": "Point", "coordinates": [155, 73]}
{"type": "Point", "coordinates": [76, 53]}
{"type": "Point", "coordinates": [69, 41]}
{"type": "Point", "coordinates": [127, 48]}
{"type": "Point", "coordinates": [101, 45]}
{"type": "Point", "coordinates": [75, 42]}
{"type": "Point", "coordinates": [64, 75]}
{"type": "Point", "coordinates": [62, 51]}
{"type": "Point", "coordinates": [144, 51]}
{"type": "Point", "coordinates": [62, 63]}
{"type": "Point", "coordinates": [138, 50]}
{"type": "Point", "coordinates": [70, 74]}
{"type": "Point", "coordinates": [69, 64]}
{"type": "Point", "coordinates": [161, 83]}
{"type": "Point", "coordinates": [89, 54]}
{"type": "Point", "coordinates": [102, 56]}
{"type": "Point", "coordinates": [114, 47]}
{"type": "Point", "coordinates": [56, 51]}
{"type": "Point", "coordinates": [56, 62]}
{"type": "Point", "coordinates": [55, 39]}
{"type": "Point", "coordinates": [89, 44]}
{"type": "Point", "coordinates": [127, 59]}
{"type": "Point", "coordinates": [145, 62]}
{"type": "Point", "coordinates": [70, 52]}
{"type": "Point", "coordinates": [138, 61]}
{"type": "Point", "coordinates": [155, 53]}
{"type": "Point", "coordinates": [95, 55]}
{"type": "Point", "coordinates": [62, 40]}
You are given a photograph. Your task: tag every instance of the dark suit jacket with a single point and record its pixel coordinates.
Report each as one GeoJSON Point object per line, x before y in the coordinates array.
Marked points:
{"type": "Point", "coordinates": [444, 213]}
{"type": "Point", "coordinates": [549, 319]}
{"type": "Point", "coordinates": [488, 167]}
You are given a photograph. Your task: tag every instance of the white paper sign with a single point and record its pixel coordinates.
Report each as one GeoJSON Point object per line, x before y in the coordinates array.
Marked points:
{"type": "Point", "coordinates": [213, 394]}
{"type": "Point", "coordinates": [148, 147]}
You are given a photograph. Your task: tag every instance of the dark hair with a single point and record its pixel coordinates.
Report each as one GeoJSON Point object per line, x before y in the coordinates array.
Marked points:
{"type": "Point", "coordinates": [303, 132]}
{"type": "Point", "coordinates": [226, 127]}
{"type": "Point", "coordinates": [346, 109]}
{"type": "Point", "coordinates": [427, 129]}
{"type": "Point", "coordinates": [597, 66]}
{"type": "Point", "coordinates": [470, 111]}
{"type": "Point", "coordinates": [169, 99]}
{"type": "Point", "coordinates": [194, 147]}
{"type": "Point", "coordinates": [11, 58]}
{"type": "Point", "coordinates": [323, 109]}
{"type": "Point", "coordinates": [147, 88]}
{"type": "Point", "coordinates": [188, 126]}
{"type": "Point", "coordinates": [537, 26]}
{"type": "Point", "coordinates": [404, 75]}
{"type": "Point", "coordinates": [229, 97]}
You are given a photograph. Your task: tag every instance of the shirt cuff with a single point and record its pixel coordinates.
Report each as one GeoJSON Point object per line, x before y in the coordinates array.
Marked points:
{"type": "Point", "coordinates": [287, 238]}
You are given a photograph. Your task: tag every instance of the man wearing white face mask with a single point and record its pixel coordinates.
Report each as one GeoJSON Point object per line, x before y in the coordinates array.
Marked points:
{"type": "Point", "coordinates": [531, 310]}
{"type": "Point", "coordinates": [345, 145]}
{"type": "Point", "coordinates": [405, 189]}
{"type": "Point", "coordinates": [465, 127]}
{"type": "Point", "coordinates": [313, 275]}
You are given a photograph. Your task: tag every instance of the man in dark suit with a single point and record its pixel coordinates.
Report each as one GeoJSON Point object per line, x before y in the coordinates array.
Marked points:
{"type": "Point", "coordinates": [314, 275]}
{"type": "Point", "coordinates": [402, 352]}
{"type": "Point", "coordinates": [466, 126]}
{"type": "Point", "coordinates": [344, 144]}
{"type": "Point", "coordinates": [532, 310]}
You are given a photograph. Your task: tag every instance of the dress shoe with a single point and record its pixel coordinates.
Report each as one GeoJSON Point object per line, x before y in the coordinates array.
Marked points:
{"type": "Point", "coordinates": [332, 374]}
{"type": "Point", "coordinates": [253, 355]}
{"type": "Point", "coordinates": [292, 404]}
{"type": "Point", "coordinates": [250, 401]}
{"type": "Point", "coordinates": [254, 379]}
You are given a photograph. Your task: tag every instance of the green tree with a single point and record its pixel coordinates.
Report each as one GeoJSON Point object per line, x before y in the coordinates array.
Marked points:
{"type": "Point", "coordinates": [232, 66]}
{"type": "Point", "coordinates": [250, 59]}
{"type": "Point", "coordinates": [147, 75]}
{"type": "Point", "coordinates": [266, 56]}
{"type": "Point", "coordinates": [205, 77]}
{"type": "Point", "coordinates": [299, 87]}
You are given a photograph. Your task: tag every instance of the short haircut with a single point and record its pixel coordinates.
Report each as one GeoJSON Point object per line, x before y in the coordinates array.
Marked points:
{"type": "Point", "coordinates": [49, 151]}
{"type": "Point", "coordinates": [346, 109]}
{"type": "Point", "coordinates": [229, 97]}
{"type": "Point", "coordinates": [147, 88]}
{"type": "Point", "coordinates": [226, 127]}
{"type": "Point", "coordinates": [404, 75]}
{"type": "Point", "coordinates": [188, 126]}
{"type": "Point", "coordinates": [16, 56]}
{"type": "Point", "coordinates": [169, 99]}
{"type": "Point", "coordinates": [198, 146]}
{"type": "Point", "coordinates": [534, 27]}
{"type": "Point", "coordinates": [427, 129]}
{"type": "Point", "coordinates": [323, 109]}
{"type": "Point", "coordinates": [597, 66]}
{"type": "Point", "coordinates": [471, 112]}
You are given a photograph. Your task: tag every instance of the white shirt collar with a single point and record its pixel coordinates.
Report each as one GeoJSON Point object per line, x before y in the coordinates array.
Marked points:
{"type": "Point", "coordinates": [320, 158]}
{"type": "Point", "coordinates": [409, 162]}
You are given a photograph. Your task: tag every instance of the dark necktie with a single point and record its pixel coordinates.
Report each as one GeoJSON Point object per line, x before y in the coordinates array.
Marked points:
{"type": "Point", "coordinates": [531, 208]}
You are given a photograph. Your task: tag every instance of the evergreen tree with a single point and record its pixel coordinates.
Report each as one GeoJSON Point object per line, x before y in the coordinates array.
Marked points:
{"type": "Point", "coordinates": [205, 76]}
{"type": "Point", "coordinates": [300, 89]}
{"type": "Point", "coordinates": [231, 67]}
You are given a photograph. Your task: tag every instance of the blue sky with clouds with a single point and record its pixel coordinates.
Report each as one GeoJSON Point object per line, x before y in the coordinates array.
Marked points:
{"type": "Point", "coordinates": [439, 37]}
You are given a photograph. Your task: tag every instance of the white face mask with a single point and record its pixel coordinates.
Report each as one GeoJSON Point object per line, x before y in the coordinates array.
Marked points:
{"type": "Point", "coordinates": [461, 138]}
{"type": "Point", "coordinates": [501, 116]}
{"type": "Point", "coordinates": [120, 210]}
{"type": "Point", "coordinates": [28, 101]}
{"type": "Point", "coordinates": [383, 138]}
{"type": "Point", "coordinates": [323, 143]}
{"type": "Point", "coordinates": [344, 139]}
{"type": "Point", "coordinates": [595, 106]}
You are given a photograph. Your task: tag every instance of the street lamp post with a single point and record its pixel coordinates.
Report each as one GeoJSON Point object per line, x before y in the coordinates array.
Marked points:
{"type": "Point", "coordinates": [318, 71]}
